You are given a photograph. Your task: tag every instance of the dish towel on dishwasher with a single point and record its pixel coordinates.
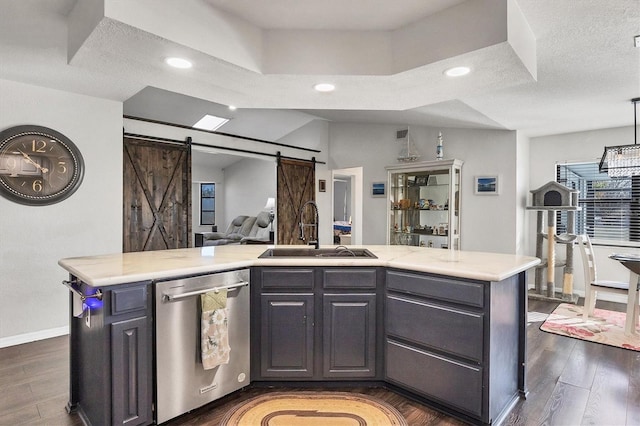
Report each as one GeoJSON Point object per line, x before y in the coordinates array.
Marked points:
{"type": "Point", "coordinates": [214, 330]}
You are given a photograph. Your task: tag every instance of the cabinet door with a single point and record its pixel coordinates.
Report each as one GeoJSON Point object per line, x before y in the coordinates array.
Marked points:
{"type": "Point", "coordinates": [131, 372]}
{"type": "Point", "coordinates": [349, 335]}
{"type": "Point", "coordinates": [287, 335]}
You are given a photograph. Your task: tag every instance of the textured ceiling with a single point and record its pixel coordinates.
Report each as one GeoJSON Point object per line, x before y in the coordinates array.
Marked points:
{"type": "Point", "coordinates": [386, 57]}
{"type": "Point", "coordinates": [351, 15]}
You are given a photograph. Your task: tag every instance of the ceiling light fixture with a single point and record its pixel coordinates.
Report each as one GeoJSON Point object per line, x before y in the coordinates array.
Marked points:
{"type": "Point", "coordinates": [233, 107]}
{"type": "Point", "coordinates": [210, 122]}
{"type": "Point", "coordinates": [324, 87]}
{"type": "Point", "coordinates": [178, 63]}
{"type": "Point", "coordinates": [623, 160]}
{"type": "Point", "coordinates": [457, 71]}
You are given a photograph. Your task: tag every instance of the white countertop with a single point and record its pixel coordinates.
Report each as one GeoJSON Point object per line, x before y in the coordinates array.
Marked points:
{"type": "Point", "coordinates": [119, 268]}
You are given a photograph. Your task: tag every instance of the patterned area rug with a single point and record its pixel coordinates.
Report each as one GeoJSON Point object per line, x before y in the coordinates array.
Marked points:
{"type": "Point", "coordinates": [605, 327]}
{"type": "Point", "coordinates": [313, 409]}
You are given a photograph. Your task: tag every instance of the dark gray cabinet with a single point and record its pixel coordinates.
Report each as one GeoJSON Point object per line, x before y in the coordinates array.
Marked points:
{"type": "Point", "coordinates": [287, 335]}
{"type": "Point", "coordinates": [455, 342]}
{"type": "Point", "coordinates": [315, 323]}
{"type": "Point", "coordinates": [283, 330]}
{"type": "Point", "coordinates": [111, 356]}
{"type": "Point", "coordinates": [349, 315]}
{"type": "Point", "coordinates": [349, 335]}
{"type": "Point", "coordinates": [130, 355]}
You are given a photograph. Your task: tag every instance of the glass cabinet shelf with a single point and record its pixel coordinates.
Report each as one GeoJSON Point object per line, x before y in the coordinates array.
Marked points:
{"type": "Point", "coordinates": [420, 209]}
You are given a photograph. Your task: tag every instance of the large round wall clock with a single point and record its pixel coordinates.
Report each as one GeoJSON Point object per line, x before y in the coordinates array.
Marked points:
{"type": "Point", "coordinates": [38, 166]}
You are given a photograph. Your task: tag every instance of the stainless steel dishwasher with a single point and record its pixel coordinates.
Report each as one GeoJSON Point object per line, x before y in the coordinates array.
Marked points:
{"type": "Point", "coordinates": [182, 383]}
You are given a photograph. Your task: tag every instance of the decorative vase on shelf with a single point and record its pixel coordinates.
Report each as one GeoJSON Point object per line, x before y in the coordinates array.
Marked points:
{"type": "Point", "coordinates": [439, 148]}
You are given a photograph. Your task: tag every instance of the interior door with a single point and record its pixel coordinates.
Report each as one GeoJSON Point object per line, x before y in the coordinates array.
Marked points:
{"type": "Point", "coordinates": [296, 186]}
{"type": "Point", "coordinates": [156, 195]}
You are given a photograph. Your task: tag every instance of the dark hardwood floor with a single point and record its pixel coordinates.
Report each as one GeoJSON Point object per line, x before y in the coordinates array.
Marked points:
{"type": "Point", "coordinates": [571, 382]}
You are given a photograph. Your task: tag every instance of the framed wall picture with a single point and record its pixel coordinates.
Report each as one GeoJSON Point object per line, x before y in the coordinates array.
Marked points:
{"type": "Point", "coordinates": [487, 185]}
{"type": "Point", "coordinates": [378, 189]}
{"type": "Point", "coordinates": [322, 185]}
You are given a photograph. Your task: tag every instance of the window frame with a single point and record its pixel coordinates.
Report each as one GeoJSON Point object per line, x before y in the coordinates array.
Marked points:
{"type": "Point", "coordinates": [202, 197]}
{"type": "Point", "coordinates": [626, 226]}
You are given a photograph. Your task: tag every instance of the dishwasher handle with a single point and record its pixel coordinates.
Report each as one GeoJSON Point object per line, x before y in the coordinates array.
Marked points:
{"type": "Point", "coordinates": [172, 297]}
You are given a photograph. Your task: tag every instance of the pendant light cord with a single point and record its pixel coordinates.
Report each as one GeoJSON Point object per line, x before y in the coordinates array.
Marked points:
{"type": "Point", "coordinates": [635, 120]}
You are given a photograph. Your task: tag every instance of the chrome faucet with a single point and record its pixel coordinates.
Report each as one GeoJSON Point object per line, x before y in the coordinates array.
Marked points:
{"type": "Point", "coordinates": [316, 243]}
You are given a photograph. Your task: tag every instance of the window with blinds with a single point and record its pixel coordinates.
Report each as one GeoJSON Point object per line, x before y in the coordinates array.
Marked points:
{"type": "Point", "coordinates": [610, 206]}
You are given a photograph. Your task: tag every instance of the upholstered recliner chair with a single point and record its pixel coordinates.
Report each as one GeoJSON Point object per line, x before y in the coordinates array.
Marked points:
{"type": "Point", "coordinates": [259, 233]}
{"type": "Point", "coordinates": [239, 228]}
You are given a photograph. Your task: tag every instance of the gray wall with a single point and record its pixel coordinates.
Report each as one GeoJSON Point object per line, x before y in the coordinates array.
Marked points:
{"type": "Point", "coordinates": [488, 222]}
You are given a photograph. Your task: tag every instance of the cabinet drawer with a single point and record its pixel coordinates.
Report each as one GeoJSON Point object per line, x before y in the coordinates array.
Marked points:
{"type": "Point", "coordinates": [452, 330]}
{"type": "Point", "coordinates": [469, 293]}
{"type": "Point", "coordinates": [287, 278]}
{"type": "Point", "coordinates": [349, 278]}
{"type": "Point", "coordinates": [130, 299]}
{"type": "Point", "coordinates": [450, 382]}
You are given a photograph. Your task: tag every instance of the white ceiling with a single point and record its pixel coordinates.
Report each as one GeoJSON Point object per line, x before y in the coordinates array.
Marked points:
{"type": "Point", "coordinates": [386, 57]}
{"type": "Point", "coordinates": [352, 15]}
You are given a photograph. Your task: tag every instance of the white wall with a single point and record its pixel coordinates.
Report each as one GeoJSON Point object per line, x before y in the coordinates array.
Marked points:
{"type": "Point", "coordinates": [523, 216]}
{"type": "Point", "coordinates": [33, 302]}
{"type": "Point", "coordinates": [489, 152]}
{"type": "Point", "coordinates": [248, 184]}
{"type": "Point", "coordinates": [201, 172]}
{"type": "Point", "coordinates": [545, 152]}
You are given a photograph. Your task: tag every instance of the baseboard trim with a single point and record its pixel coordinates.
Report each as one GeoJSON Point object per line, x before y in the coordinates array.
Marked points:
{"type": "Point", "coordinates": [32, 337]}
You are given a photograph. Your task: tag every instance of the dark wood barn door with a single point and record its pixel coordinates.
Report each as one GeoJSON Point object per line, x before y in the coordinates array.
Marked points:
{"type": "Point", "coordinates": [156, 195]}
{"type": "Point", "coordinates": [296, 186]}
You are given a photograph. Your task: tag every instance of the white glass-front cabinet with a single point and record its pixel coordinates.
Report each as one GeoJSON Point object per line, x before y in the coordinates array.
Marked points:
{"type": "Point", "coordinates": [424, 204]}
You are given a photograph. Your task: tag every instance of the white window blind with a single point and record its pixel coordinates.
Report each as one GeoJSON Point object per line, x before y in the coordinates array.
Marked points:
{"type": "Point", "coordinates": [610, 206]}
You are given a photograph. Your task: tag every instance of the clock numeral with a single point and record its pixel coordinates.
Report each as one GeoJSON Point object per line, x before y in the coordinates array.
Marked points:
{"type": "Point", "coordinates": [62, 167]}
{"type": "Point", "coordinates": [38, 145]}
{"type": "Point", "coordinates": [37, 185]}
{"type": "Point", "coordinates": [11, 163]}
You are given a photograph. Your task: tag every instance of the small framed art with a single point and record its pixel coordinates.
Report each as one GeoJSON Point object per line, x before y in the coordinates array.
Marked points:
{"type": "Point", "coordinates": [487, 185]}
{"type": "Point", "coordinates": [378, 189]}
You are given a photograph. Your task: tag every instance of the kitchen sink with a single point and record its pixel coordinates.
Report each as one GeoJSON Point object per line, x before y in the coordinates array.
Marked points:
{"type": "Point", "coordinates": [339, 251]}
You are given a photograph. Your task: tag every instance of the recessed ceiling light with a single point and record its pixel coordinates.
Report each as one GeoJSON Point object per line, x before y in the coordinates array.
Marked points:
{"type": "Point", "coordinates": [178, 63]}
{"type": "Point", "coordinates": [233, 107]}
{"type": "Point", "coordinates": [324, 87]}
{"type": "Point", "coordinates": [210, 122]}
{"type": "Point", "coordinates": [457, 71]}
